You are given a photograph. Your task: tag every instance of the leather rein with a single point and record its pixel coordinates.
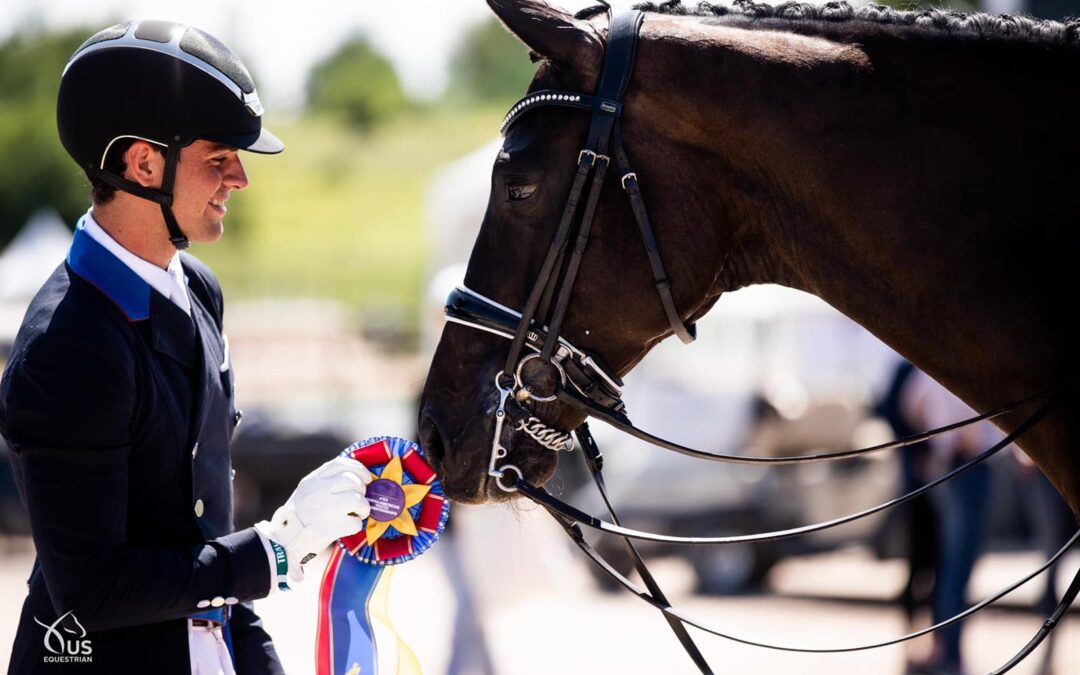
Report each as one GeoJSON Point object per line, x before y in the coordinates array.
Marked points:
{"type": "Point", "coordinates": [585, 384]}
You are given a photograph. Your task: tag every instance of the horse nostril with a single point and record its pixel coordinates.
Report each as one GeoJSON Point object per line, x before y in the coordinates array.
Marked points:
{"type": "Point", "coordinates": [431, 441]}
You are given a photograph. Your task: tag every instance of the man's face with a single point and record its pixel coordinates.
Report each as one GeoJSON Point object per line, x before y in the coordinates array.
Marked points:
{"type": "Point", "coordinates": [205, 176]}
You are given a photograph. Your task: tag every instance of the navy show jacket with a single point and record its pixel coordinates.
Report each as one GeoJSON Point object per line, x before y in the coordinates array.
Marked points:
{"type": "Point", "coordinates": [119, 410]}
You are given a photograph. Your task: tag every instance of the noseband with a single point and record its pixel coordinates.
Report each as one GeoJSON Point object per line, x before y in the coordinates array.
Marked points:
{"type": "Point", "coordinates": [583, 383]}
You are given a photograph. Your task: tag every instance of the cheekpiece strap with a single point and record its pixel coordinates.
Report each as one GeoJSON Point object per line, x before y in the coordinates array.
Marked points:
{"type": "Point", "coordinates": [686, 332]}
{"type": "Point", "coordinates": [621, 49]}
{"type": "Point", "coordinates": [618, 66]}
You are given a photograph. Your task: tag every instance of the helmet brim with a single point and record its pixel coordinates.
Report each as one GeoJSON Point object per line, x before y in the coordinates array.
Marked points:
{"type": "Point", "coordinates": [262, 142]}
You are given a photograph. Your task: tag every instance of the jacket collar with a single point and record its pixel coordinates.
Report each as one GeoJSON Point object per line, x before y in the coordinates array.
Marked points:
{"type": "Point", "coordinates": [172, 331]}
{"type": "Point", "coordinates": [118, 282]}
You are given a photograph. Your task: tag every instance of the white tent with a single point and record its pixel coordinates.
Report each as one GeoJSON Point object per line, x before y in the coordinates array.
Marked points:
{"type": "Point", "coordinates": [25, 265]}
{"type": "Point", "coordinates": [33, 255]}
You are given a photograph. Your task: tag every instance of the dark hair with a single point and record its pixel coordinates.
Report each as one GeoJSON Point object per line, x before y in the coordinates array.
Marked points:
{"type": "Point", "coordinates": [100, 191]}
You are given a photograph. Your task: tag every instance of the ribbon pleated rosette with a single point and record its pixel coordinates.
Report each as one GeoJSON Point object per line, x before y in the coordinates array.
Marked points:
{"type": "Point", "coordinates": [408, 513]}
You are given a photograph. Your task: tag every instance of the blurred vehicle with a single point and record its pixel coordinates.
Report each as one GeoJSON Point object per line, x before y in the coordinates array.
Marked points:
{"type": "Point", "coordinates": [775, 372]}
{"type": "Point", "coordinates": [268, 457]}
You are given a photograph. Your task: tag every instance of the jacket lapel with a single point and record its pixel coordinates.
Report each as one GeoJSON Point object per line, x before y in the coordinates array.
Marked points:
{"type": "Point", "coordinates": [212, 350]}
{"type": "Point", "coordinates": [172, 331]}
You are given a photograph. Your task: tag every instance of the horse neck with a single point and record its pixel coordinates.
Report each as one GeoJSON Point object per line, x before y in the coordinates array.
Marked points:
{"type": "Point", "coordinates": [863, 174]}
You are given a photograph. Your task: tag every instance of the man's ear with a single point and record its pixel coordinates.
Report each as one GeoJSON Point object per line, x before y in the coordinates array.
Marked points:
{"type": "Point", "coordinates": [551, 32]}
{"type": "Point", "coordinates": [145, 165]}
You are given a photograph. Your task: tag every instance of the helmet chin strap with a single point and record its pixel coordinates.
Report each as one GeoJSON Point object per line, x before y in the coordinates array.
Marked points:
{"type": "Point", "coordinates": [162, 196]}
{"type": "Point", "coordinates": [176, 235]}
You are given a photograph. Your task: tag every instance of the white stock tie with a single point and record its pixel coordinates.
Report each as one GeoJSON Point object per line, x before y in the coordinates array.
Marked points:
{"type": "Point", "coordinates": [178, 292]}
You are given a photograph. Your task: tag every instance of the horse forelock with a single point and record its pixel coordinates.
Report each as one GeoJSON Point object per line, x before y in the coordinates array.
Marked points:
{"type": "Point", "coordinates": [866, 19]}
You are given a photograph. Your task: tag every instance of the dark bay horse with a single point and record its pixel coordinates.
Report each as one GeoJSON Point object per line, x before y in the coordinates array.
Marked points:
{"type": "Point", "coordinates": [912, 169]}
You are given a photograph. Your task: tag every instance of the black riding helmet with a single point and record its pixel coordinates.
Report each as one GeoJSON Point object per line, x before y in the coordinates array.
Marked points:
{"type": "Point", "coordinates": [161, 82]}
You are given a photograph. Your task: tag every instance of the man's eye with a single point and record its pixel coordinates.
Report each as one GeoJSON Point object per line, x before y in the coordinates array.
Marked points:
{"type": "Point", "coordinates": [518, 192]}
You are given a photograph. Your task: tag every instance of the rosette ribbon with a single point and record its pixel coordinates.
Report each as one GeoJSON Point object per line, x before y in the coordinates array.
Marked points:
{"type": "Point", "coordinates": [408, 513]}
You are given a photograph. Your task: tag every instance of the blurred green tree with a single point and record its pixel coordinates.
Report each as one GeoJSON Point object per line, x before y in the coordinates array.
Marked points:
{"type": "Point", "coordinates": [36, 170]}
{"type": "Point", "coordinates": [490, 66]}
{"type": "Point", "coordinates": [357, 85]}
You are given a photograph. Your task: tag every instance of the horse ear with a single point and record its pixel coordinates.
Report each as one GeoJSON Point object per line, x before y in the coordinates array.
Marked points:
{"type": "Point", "coordinates": [549, 31]}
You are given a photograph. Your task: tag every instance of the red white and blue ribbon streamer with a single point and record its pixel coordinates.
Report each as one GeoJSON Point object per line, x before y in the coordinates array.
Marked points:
{"type": "Point", "coordinates": [409, 512]}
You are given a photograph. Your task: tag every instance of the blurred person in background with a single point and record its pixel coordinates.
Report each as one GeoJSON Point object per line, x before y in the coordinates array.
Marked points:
{"type": "Point", "coordinates": [117, 400]}
{"type": "Point", "coordinates": [961, 506]}
{"type": "Point", "coordinates": [918, 517]}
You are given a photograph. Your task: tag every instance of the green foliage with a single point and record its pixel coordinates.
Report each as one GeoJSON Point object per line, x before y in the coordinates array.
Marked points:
{"type": "Point", "coordinates": [340, 214]}
{"type": "Point", "coordinates": [357, 85]}
{"type": "Point", "coordinates": [36, 171]}
{"type": "Point", "coordinates": [490, 66]}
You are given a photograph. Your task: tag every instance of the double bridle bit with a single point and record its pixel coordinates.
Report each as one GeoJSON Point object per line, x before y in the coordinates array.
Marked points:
{"type": "Point", "coordinates": [552, 439]}
{"type": "Point", "coordinates": [584, 384]}
{"type": "Point", "coordinates": [509, 388]}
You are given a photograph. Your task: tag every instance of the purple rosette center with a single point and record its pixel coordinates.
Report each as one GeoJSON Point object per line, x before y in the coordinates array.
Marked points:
{"type": "Point", "coordinates": [387, 500]}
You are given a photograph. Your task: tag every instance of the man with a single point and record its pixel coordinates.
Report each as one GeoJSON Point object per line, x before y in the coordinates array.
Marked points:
{"type": "Point", "coordinates": [118, 396]}
{"type": "Point", "coordinates": [960, 505]}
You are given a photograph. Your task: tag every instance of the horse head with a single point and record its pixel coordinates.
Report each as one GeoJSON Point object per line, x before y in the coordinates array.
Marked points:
{"type": "Point", "coordinates": [614, 312]}
{"type": "Point", "coordinates": [836, 156]}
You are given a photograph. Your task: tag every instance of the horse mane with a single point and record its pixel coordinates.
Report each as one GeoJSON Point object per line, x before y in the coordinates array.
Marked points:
{"type": "Point", "coordinates": [930, 22]}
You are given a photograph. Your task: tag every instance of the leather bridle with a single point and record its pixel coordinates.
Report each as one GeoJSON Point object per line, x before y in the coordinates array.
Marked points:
{"type": "Point", "coordinates": [586, 385]}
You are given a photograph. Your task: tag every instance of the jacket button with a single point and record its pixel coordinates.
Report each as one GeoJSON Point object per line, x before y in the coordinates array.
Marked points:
{"type": "Point", "coordinates": [238, 416]}
{"type": "Point", "coordinates": [194, 450]}
{"type": "Point", "coordinates": [217, 602]}
{"type": "Point", "coordinates": [231, 601]}
{"type": "Point", "coordinates": [199, 508]}
{"type": "Point", "coordinates": [203, 604]}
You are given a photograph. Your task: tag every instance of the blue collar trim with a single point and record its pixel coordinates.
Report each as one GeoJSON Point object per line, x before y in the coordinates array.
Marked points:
{"type": "Point", "coordinates": [97, 265]}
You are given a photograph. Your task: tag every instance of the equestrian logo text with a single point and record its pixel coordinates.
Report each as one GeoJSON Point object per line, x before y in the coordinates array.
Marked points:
{"type": "Point", "coordinates": [66, 642]}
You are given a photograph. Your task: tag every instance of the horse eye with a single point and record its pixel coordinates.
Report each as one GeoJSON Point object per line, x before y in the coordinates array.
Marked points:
{"type": "Point", "coordinates": [516, 193]}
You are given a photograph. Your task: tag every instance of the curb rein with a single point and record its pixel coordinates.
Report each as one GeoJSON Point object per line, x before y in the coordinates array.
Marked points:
{"type": "Point", "coordinates": [585, 385]}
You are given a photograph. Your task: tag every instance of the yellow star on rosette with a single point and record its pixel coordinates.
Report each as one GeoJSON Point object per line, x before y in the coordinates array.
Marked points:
{"type": "Point", "coordinates": [414, 494]}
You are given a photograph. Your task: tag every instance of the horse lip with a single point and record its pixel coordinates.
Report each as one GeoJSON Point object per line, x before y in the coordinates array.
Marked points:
{"type": "Point", "coordinates": [431, 443]}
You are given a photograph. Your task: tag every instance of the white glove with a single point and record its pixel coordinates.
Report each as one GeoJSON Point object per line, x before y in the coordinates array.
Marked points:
{"type": "Point", "coordinates": [327, 504]}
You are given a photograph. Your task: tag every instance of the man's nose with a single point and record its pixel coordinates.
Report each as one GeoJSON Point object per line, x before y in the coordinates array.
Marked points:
{"type": "Point", "coordinates": [235, 176]}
